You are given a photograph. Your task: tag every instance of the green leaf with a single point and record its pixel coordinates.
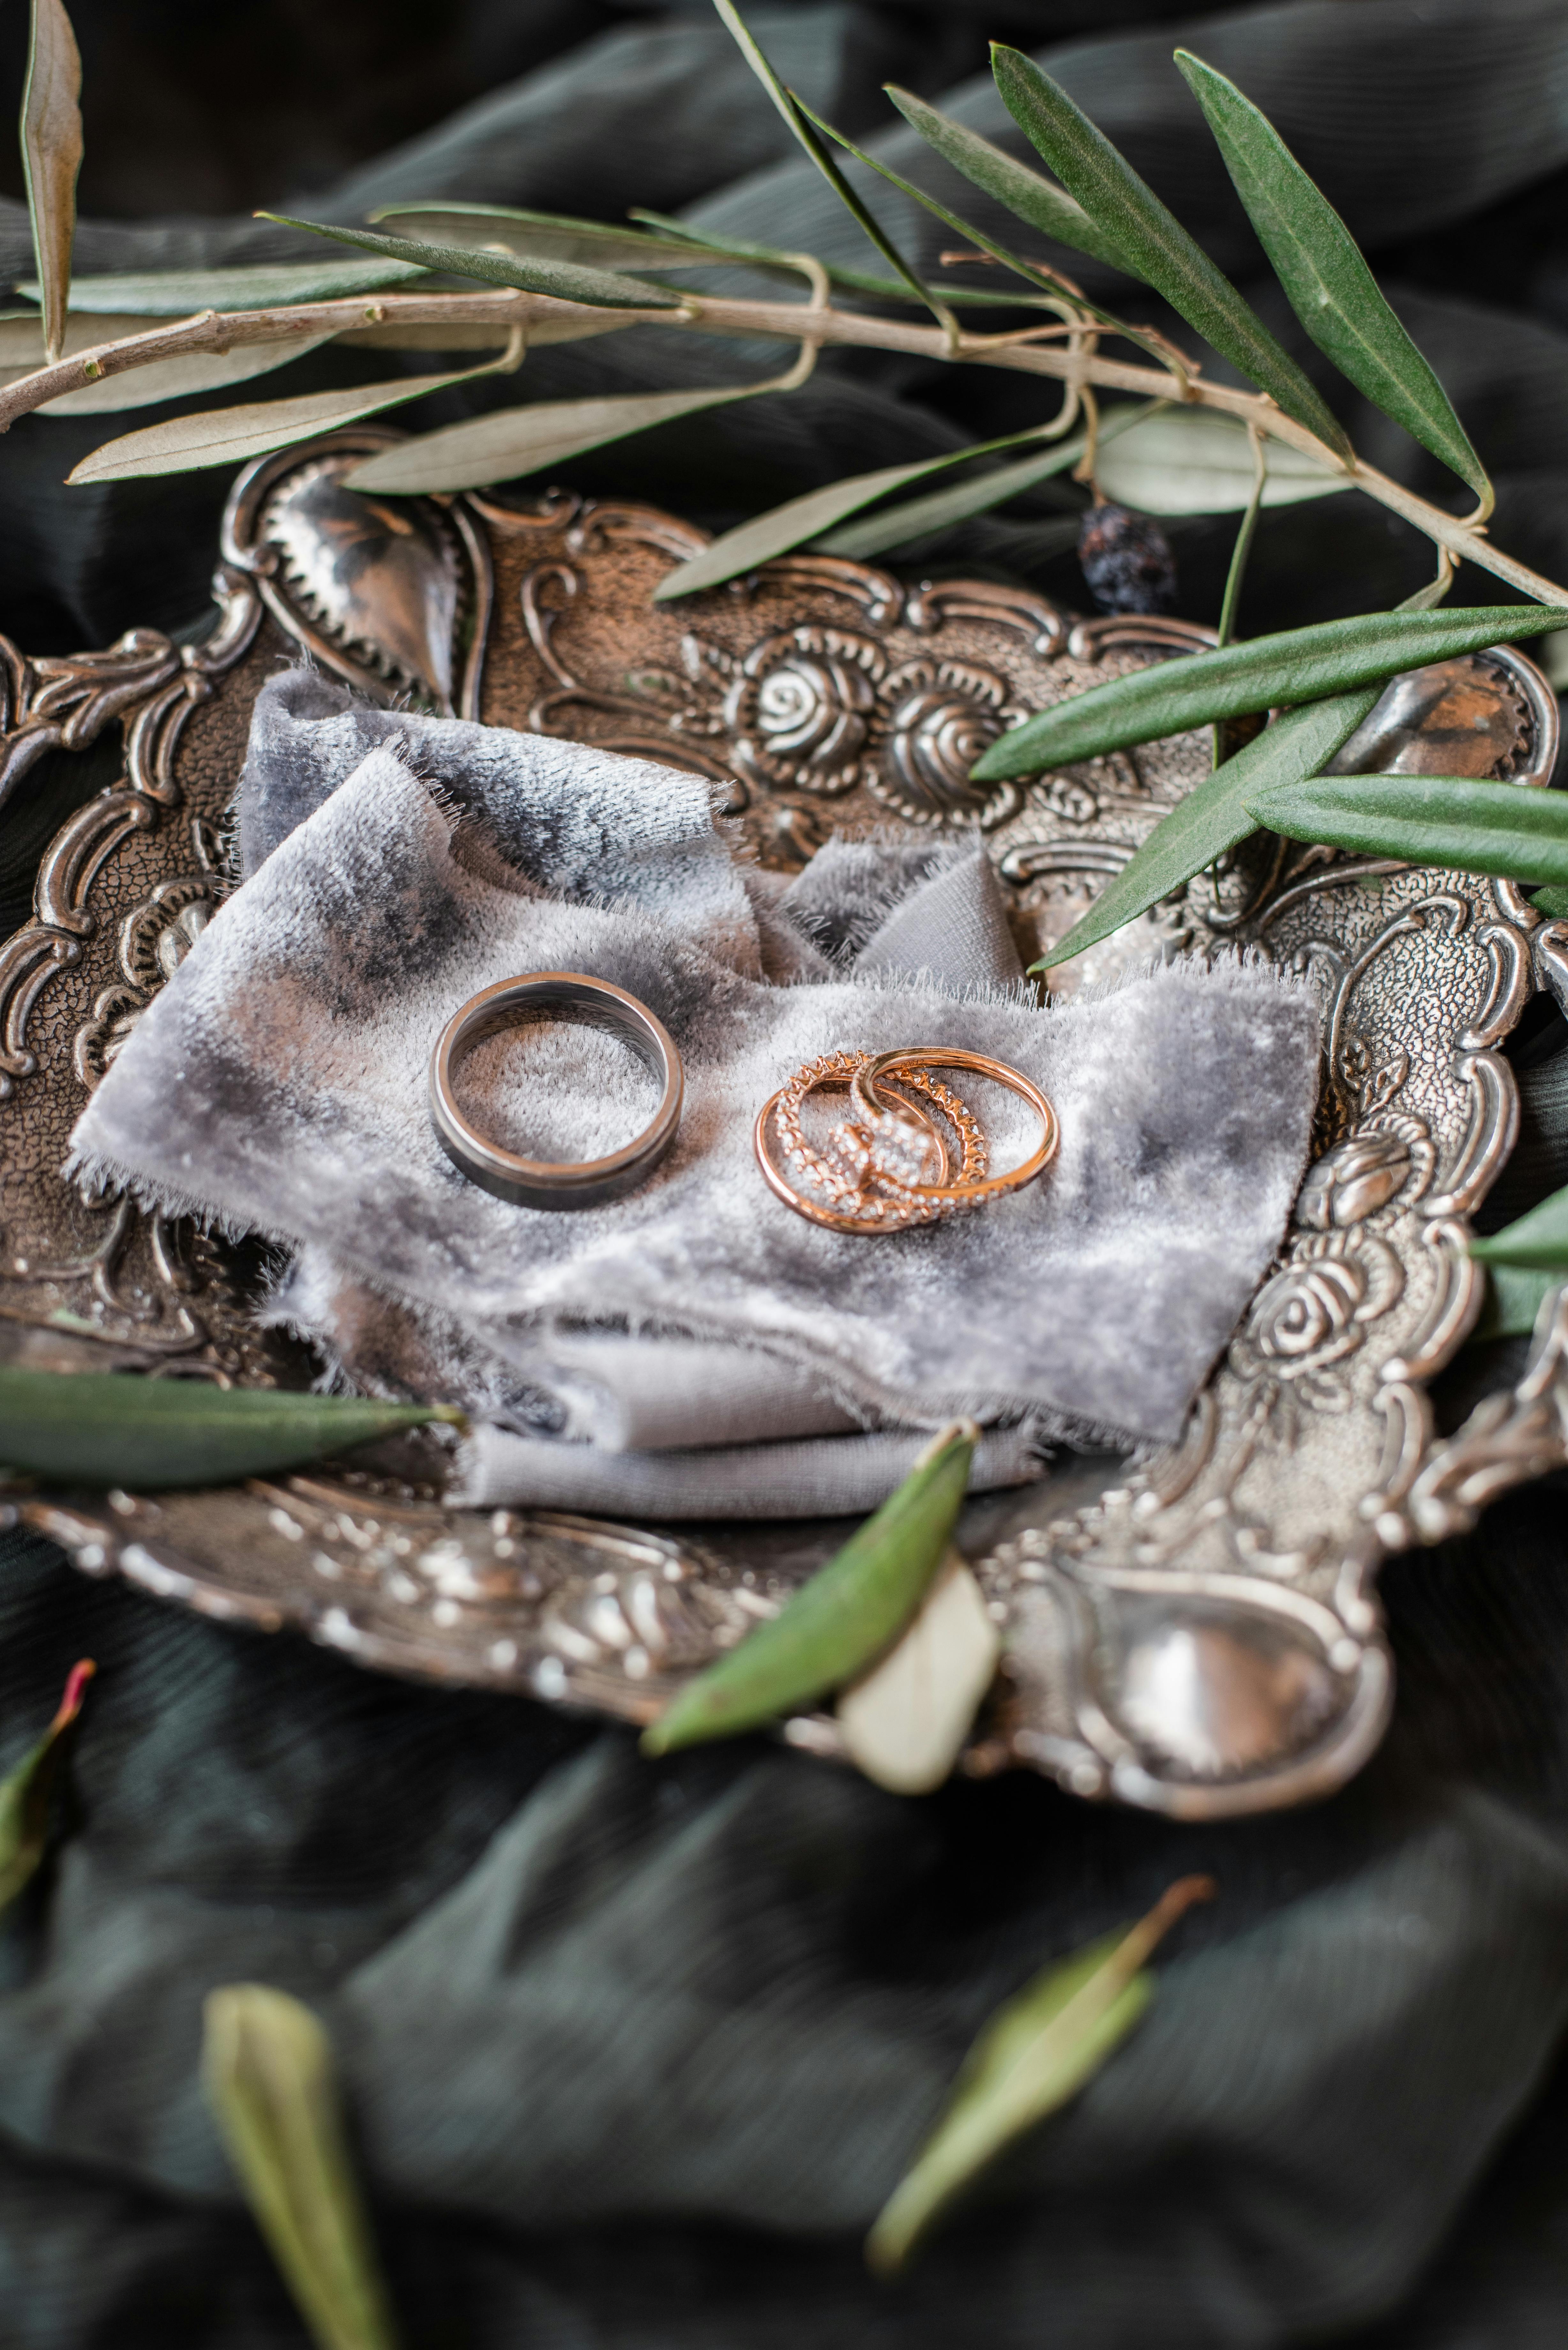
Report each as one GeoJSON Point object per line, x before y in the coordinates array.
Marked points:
{"type": "Point", "coordinates": [840, 1622]}
{"type": "Point", "coordinates": [857, 281]}
{"type": "Point", "coordinates": [1539, 1240]}
{"type": "Point", "coordinates": [177, 379]}
{"type": "Point", "coordinates": [1515, 1294]}
{"type": "Point", "coordinates": [1036, 2052]}
{"type": "Point", "coordinates": [265, 285]}
{"type": "Point", "coordinates": [1553, 903]}
{"type": "Point", "coordinates": [549, 236]}
{"type": "Point", "coordinates": [267, 2070]}
{"type": "Point", "coordinates": [568, 282]}
{"type": "Point", "coordinates": [27, 1792]}
{"type": "Point", "coordinates": [232, 436]}
{"type": "Point", "coordinates": [52, 157]}
{"type": "Point", "coordinates": [1013, 185]}
{"type": "Point", "coordinates": [1158, 248]}
{"type": "Point", "coordinates": [1297, 665]}
{"type": "Point", "coordinates": [1329, 285]}
{"type": "Point", "coordinates": [1463, 824]}
{"type": "Point", "coordinates": [805, 518]}
{"type": "Point", "coordinates": [114, 1428]}
{"type": "Point", "coordinates": [1213, 816]}
{"type": "Point", "coordinates": [1194, 460]}
{"type": "Point", "coordinates": [795, 115]}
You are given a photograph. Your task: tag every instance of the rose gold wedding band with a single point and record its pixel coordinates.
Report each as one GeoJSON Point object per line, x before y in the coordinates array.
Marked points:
{"type": "Point", "coordinates": [943, 1198]}
{"type": "Point", "coordinates": [831, 1219]}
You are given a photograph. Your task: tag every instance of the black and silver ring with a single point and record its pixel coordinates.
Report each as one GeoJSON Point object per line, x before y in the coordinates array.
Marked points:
{"type": "Point", "coordinates": [537, 1182]}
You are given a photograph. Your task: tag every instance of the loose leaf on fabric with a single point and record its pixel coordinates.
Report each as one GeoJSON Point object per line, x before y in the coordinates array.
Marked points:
{"type": "Point", "coordinates": [805, 518]}
{"type": "Point", "coordinates": [263, 285]}
{"type": "Point", "coordinates": [1158, 248]}
{"type": "Point", "coordinates": [52, 157]}
{"type": "Point", "coordinates": [1213, 815]}
{"type": "Point", "coordinates": [113, 1428]}
{"type": "Point", "coordinates": [1464, 824]}
{"type": "Point", "coordinates": [1329, 285]}
{"type": "Point", "coordinates": [1295, 665]}
{"type": "Point", "coordinates": [1035, 2052]}
{"type": "Point", "coordinates": [1194, 460]}
{"type": "Point", "coordinates": [904, 1723]}
{"type": "Point", "coordinates": [177, 379]}
{"type": "Point", "coordinates": [27, 1792]}
{"type": "Point", "coordinates": [232, 436]}
{"type": "Point", "coordinates": [568, 282]}
{"type": "Point", "coordinates": [840, 1622]}
{"type": "Point", "coordinates": [1538, 1240]}
{"type": "Point", "coordinates": [1012, 183]}
{"type": "Point", "coordinates": [267, 2072]}
{"type": "Point", "coordinates": [915, 518]}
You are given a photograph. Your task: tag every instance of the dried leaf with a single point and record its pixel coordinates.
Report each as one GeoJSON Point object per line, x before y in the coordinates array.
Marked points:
{"type": "Point", "coordinates": [1464, 824]}
{"type": "Point", "coordinates": [568, 281]}
{"type": "Point", "coordinates": [1158, 248]}
{"type": "Point", "coordinates": [1035, 2052]}
{"type": "Point", "coordinates": [847, 1616]}
{"type": "Point", "coordinates": [113, 1428]}
{"type": "Point", "coordinates": [904, 1723]}
{"type": "Point", "coordinates": [232, 436]}
{"type": "Point", "coordinates": [51, 157]}
{"type": "Point", "coordinates": [1295, 665]}
{"type": "Point", "coordinates": [25, 1793]}
{"type": "Point", "coordinates": [1330, 286]}
{"type": "Point", "coordinates": [1194, 461]}
{"type": "Point", "coordinates": [177, 379]}
{"type": "Point", "coordinates": [1013, 185]}
{"type": "Point", "coordinates": [263, 285]}
{"type": "Point", "coordinates": [267, 2069]}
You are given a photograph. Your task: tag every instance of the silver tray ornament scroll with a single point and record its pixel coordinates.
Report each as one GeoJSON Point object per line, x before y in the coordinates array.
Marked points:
{"type": "Point", "coordinates": [1197, 1632]}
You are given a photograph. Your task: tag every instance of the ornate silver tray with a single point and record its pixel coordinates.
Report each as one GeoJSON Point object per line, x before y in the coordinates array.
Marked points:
{"type": "Point", "coordinates": [1196, 1632]}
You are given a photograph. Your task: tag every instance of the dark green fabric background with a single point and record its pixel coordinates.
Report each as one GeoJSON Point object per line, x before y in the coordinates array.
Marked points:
{"type": "Point", "coordinates": [634, 2053]}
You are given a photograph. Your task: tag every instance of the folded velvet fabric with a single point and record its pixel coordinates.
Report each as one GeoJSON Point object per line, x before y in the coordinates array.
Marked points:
{"type": "Point", "coordinates": [399, 864]}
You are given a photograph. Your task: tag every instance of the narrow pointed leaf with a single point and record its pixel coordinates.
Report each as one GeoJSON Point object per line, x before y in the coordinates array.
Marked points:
{"type": "Point", "coordinates": [1035, 2052]}
{"type": "Point", "coordinates": [267, 2070]}
{"type": "Point", "coordinates": [1000, 175]}
{"type": "Point", "coordinates": [113, 1428]}
{"type": "Point", "coordinates": [568, 281]}
{"type": "Point", "coordinates": [232, 436]}
{"type": "Point", "coordinates": [178, 379]}
{"type": "Point", "coordinates": [1297, 665]}
{"type": "Point", "coordinates": [1460, 822]}
{"type": "Point", "coordinates": [1213, 816]}
{"type": "Point", "coordinates": [549, 236]}
{"type": "Point", "coordinates": [27, 1792]}
{"type": "Point", "coordinates": [915, 518]}
{"type": "Point", "coordinates": [262, 286]}
{"type": "Point", "coordinates": [1515, 1294]}
{"type": "Point", "coordinates": [840, 1622]}
{"type": "Point", "coordinates": [52, 157]}
{"type": "Point", "coordinates": [805, 518]}
{"type": "Point", "coordinates": [513, 441]}
{"type": "Point", "coordinates": [1158, 248]}
{"type": "Point", "coordinates": [857, 281]}
{"type": "Point", "coordinates": [905, 1721]}
{"type": "Point", "coordinates": [1194, 461]}
{"type": "Point", "coordinates": [1539, 1240]}
{"type": "Point", "coordinates": [1329, 285]}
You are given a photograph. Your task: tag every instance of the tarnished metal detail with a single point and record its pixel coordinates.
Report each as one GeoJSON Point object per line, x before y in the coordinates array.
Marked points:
{"type": "Point", "coordinates": [1201, 1636]}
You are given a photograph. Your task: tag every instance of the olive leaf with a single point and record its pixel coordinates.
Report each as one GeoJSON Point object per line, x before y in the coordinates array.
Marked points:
{"type": "Point", "coordinates": [27, 1792]}
{"type": "Point", "coordinates": [1158, 248]}
{"type": "Point", "coordinates": [1539, 1239]}
{"type": "Point", "coordinates": [52, 157]}
{"type": "Point", "coordinates": [260, 285]}
{"type": "Point", "coordinates": [1213, 816]}
{"type": "Point", "coordinates": [1462, 822]}
{"type": "Point", "coordinates": [1036, 2052]}
{"type": "Point", "coordinates": [857, 281]}
{"type": "Point", "coordinates": [905, 1723]}
{"type": "Point", "coordinates": [1329, 285]}
{"type": "Point", "coordinates": [567, 281]}
{"type": "Point", "coordinates": [840, 1622]}
{"type": "Point", "coordinates": [1013, 185]}
{"type": "Point", "coordinates": [177, 379]}
{"type": "Point", "coordinates": [1295, 665]}
{"type": "Point", "coordinates": [267, 2072]}
{"type": "Point", "coordinates": [1515, 1294]}
{"type": "Point", "coordinates": [1194, 461]}
{"type": "Point", "coordinates": [549, 236]}
{"type": "Point", "coordinates": [232, 436]}
{"type": "Point", "coordinates": [114, 1428]}
{"type": "Point", "coordinates": [795, 115]}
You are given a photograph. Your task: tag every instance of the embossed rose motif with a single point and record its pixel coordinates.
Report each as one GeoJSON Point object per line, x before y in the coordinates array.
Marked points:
{"type": "Point", "coordinates": [800, 711]}
{"type": "Point", "coordinates": [940, 716]}
{"type": "Point", "coordinates": [1314, 1312]}
{"type": "Point", "coordinates": [1386, 1160]}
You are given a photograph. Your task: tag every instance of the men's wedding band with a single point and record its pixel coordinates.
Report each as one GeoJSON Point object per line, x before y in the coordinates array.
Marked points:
{"type": "Point", "coordinates": [545, 1183]}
